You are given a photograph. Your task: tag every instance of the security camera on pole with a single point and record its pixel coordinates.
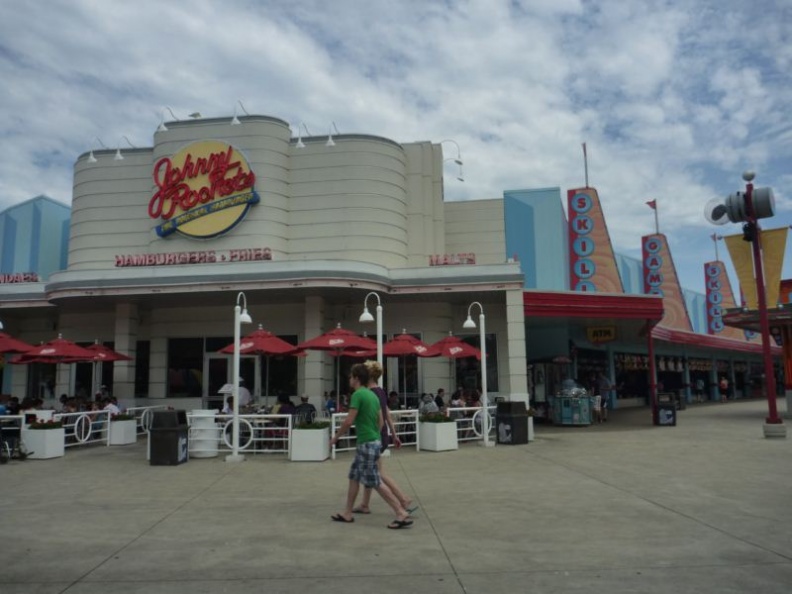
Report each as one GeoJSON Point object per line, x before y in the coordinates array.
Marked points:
{"type": "Point", "coordinates": [748, 207]}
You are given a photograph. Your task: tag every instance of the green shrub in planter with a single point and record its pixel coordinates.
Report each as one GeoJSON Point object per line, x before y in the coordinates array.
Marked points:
{"type": "Point", "coordinates": [122, 417]}
{"type": "Point", "coordinates": [51, 424]}
{"type": "Point", "coordinates": [313, 425]}
{"type": "Point", "coordinates": [436, 418]}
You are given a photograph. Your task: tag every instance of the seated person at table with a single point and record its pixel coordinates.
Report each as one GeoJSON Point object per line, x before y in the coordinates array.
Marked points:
{"type": "Point", "coordinates": [111, 406]}
{"type": "Point", "coordinates": [245, 398]}
{"type": "Point", "coordinates": [428, 405]}
{"type": "Point", "coordinates": [285, 406]}
{"type": "Point", "coordinates": [228, 409]}
{"type": "Point", "coordinates": [393, 401]}
{"type": "Point", "coordinates": [306, 412]}
{"type": "Point", "coordinates": [12, 406]}
{"type": "Point", "coordinates": [331, 402]}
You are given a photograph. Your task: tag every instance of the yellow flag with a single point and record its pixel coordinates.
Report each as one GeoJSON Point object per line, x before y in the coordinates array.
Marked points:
{"type": "Point", "coordinates": [773, 248]}
{"type": "Point", "coordinates": [742, 259]}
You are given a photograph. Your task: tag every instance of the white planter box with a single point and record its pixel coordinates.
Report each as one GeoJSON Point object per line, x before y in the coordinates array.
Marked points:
{"type": "Point", "coordinates": [123, 432]}
{"type": "Point", "coordinates": [44, 443]}
{"type": "Point", "coordinates": [438, 437]}
{"type": "Point", "coordinates": [310, 445]}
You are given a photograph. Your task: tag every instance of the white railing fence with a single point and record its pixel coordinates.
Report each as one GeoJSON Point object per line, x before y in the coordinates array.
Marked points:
{"type": "Point", "coordinates": [143, 416]}
{"type": "Point", "coordinates": [83, 428]}
{"type": "Point", "coordinates": [405, 421]}
{"type": "Point", "coordinates": [258, 434]}
{"type": "Point", "coordinates": [468, 422]}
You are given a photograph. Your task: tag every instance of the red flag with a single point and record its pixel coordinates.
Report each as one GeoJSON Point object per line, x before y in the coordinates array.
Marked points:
{"type": "Point", "coordinates": [652, 204]}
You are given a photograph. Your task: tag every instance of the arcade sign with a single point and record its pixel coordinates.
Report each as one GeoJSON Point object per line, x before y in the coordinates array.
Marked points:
{"type": "Point", "coordinates": [204, 190]}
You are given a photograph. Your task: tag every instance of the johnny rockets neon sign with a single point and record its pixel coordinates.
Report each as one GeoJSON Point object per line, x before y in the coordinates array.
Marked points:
{"type": "Point", "coordinates": [203, 191]}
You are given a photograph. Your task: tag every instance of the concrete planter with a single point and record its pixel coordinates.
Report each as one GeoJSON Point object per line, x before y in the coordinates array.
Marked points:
{"type": "Point", "coordinates": [123, 432]}
{"type": "Point", "coordinates": [438, 437]}
{"type": "Point", "coordinates": [310, 445]}
{"type": "Point", "coordinates": [44, 443]}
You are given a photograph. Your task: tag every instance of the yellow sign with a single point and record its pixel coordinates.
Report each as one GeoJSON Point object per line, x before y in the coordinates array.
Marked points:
{"type": "Point", "coordinates": [600, 334]}
{"type": "Point", "coordinates": [773, 247]}
{"type": "Point", "coordinates": [203, 191]}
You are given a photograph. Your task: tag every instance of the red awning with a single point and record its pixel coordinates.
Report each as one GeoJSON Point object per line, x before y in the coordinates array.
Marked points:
{"type": "Point", "coordinates": [569, 304]}
{"type": "Point", "coordinates": [710, 341]}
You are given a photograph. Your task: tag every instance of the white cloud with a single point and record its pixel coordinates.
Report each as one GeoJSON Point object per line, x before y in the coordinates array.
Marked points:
{"type": "Point", "coordinates": [673, 98]}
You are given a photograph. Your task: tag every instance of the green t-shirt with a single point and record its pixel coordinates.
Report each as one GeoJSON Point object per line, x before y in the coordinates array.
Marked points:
{"type": "Point", "coordinates": [367, 420]}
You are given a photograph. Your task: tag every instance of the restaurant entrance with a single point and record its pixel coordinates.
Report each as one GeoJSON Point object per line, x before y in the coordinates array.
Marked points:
{"type": "Point", "coordinates": [219, 371]}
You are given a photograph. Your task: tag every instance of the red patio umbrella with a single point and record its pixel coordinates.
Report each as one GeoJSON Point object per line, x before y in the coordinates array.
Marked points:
{"type": "Point", "coordinates": [104, 354]}
{"type": "Point", "coordinates": [404, 345]}
{"type": "Point", "coordinates": [263, 342]}
{"type": "Point", "coordinates": [9, 344]}
{"type": "Point", "coordinates": [453, 347]}
{"type": "Point", "coordinates": [58, 350]}
{"type": "Point", "coordinates": [339, 342]}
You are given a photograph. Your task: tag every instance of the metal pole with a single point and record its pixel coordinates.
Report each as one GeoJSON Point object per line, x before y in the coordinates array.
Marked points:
{"type": "Point", "coordinates": [764, 322]}
{"type": "Point", "coordinates": [652, 375]}
{"type": "Point", "coordinates": [485, 410]}
{"type": "Point", "coordinates": [379, 340]}
{"type": "Point", "coordinates": [235, 456]}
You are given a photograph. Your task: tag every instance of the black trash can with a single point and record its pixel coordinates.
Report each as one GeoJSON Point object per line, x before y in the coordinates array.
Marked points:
{"type": "Point", "coordinates": [511, 423]}
{"type": "Point", "coordinates": [681, 400]}
{"type": "Point", "coordinates": [168, 438]}
{"type": "Point", "coordinates": [666, 414]}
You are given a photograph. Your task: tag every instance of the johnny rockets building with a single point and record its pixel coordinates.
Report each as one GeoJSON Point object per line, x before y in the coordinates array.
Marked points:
{"type": "Point", "coordinates": [162, 239]}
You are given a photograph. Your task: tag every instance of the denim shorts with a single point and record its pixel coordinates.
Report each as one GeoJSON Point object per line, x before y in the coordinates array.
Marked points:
{"type": "Point", "coordinates": [364, 467]}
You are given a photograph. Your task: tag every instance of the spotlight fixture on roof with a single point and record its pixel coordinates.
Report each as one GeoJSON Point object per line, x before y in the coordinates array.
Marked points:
{"type": "Point", "coordinates": [173, 115]}
{"type": "Point", "coordinates": [235, 120]}
{"type": "Point", "coordinates": [195, 115]}
{"type": "Point", "coordinates": [330, 141]}
{"type": "Point", "coordinates": [162, 127]}
{"type": "Point", "coordinates": [460, 175]}
{"type": "Point", "coordinates": [118, 156]}
{"type": "Point", "coordinates": [300, 144]}
{"type": "Point", "coordinates": [91, 158]}
{"type": "Point", "coordinates": [458, 159]}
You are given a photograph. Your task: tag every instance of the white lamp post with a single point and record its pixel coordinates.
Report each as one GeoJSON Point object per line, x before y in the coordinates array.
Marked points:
{"type": "Point", "coordinates": [470, 324]}
{"type": "Point", "coordinates": [367, 317]}
{"type": "Point", "coordinates": [241, 316]}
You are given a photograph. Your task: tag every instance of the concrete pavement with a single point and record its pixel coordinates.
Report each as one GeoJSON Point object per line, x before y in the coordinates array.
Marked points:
{"type": "Point", "coordinates": [621, 507]}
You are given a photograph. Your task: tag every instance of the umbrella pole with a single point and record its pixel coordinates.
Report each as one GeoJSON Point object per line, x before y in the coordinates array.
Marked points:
{"type": "Point", "coordinates": [266, 384]}
{"type": "Point", "coordinates": [338, 381]}
{"type": "Point", "coordinates": [404, 379]}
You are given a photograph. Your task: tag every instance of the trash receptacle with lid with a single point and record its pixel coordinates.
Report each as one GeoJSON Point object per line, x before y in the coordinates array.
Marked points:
{"type": "Point", "coordinates": [511, 421]}
{"type": "Point", "coordinates": [205, 434]}
{"type": "Point", "coordinates": [666, 414]}
{"type": "Point", "coordinates": [168, 438]}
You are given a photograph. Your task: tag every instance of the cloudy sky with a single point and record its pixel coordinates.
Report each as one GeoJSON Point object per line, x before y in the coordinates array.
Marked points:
{"type": "Point", "coordinates": [673, 98]}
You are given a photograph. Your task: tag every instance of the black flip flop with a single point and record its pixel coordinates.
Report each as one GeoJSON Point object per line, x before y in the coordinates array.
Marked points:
{"type": "Point", "coordinates": [340, 518]}
{"type": "Point", "coordinates": [399, 524]}
{"type": "Point", "coordinates": [358, 510]}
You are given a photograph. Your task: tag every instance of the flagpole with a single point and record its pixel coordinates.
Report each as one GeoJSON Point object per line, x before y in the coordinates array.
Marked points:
{"type": "Point", "coordinates": [585, 164]}
{"type": "Point", "coordinates": [657, 220]}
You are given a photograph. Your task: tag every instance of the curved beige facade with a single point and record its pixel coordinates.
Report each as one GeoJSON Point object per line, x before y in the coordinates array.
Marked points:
{"type": "Point", "coordinates": [366, 199]}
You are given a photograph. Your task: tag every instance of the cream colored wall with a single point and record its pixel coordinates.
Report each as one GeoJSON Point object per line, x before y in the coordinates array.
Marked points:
{"type": "Point", "coordinates": [365, 199]}
{"type": "Point", "coordinates": [476, 226]}
{"type": "Point", "coordinates": [349, 202]}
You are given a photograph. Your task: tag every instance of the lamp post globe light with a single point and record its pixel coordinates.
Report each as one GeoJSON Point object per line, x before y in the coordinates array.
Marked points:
{"type": "Point", "coordinates": [748, 207]}
{"type": "Point", "coordinates": [241, 316]}
{"type": "Point", "coordinates": [469, 325]}
{"type": "Point", "coordinates": [366, 317]}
